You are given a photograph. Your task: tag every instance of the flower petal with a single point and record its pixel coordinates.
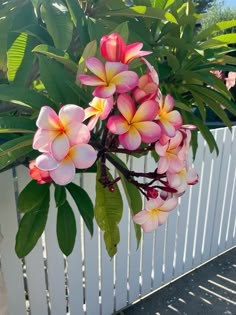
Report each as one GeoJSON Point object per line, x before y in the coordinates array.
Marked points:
{"type": "Point", "coordinates": [48, 119]}
{"type": "Point", "coordinates": [64, 173]}
{"type": "Point", "coordinates": [90, 80]}
{"type": "Point", "coordinates": [126, 106]}
{"type": "Point", "coordinates": [169, 204]}
{"type": "Point", "coordinates": [146, 111]}
{"type": "Point", "coordinates": [167, 127]}
{"type": "Point", "coordinates": [46, 162]}
{"type": "Point", "coordinates": [92, 122]}
{"type": "Point", "coordinates": [71, 113]}
{"type": "Point", "coordinates": [42, 140]}
{"type": "Point", "coordinates": [175, 119]}
{"type": "Point", "coordinates": [153, 203]}
{"type": "Point", "coordinates": [161, 148]}
{"type": "Point", "coordinates": [96, 67]}
{"type": "Point", "coordinates": [162, 217]}
{"type": "Point", "coordinates": [77, 133]}
{"type": "Point", "coordinates": [60, 147]}
{"type": "Point", "coordinates": [130, 140]}
{"type": "Point", "coordinates": [83, 155]}
{"type": "Point", "coordinates": [151, 224]}
{"type": "Point", "coordinates": [140, 217]}
{"type": "Point", "coordinates": [117, 125]}
{"type": "Point", "coordinates": [163, 165]}
{"type": "Point", "coordinates": [132, 51]}
{"type": "Point", "coordinates": [105, 91]}
{"type": "Point", "coordinates": [149, 131]}
{"type": "Point", "coordinates": [125, 81]}
{"type": "Point", "coordinates": [169, 103]}
{"type": "Point", "coordinates": [113, 68]}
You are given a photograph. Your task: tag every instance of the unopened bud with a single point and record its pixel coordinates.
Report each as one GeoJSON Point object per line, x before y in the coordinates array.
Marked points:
{"type": "Point", "coordinates": [152, 192]}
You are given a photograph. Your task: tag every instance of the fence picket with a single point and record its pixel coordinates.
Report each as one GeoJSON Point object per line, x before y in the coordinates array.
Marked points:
{"type": "Point", "coordinates": [55, 266]}
{"type": "Point", "coordinates": [11, 264]}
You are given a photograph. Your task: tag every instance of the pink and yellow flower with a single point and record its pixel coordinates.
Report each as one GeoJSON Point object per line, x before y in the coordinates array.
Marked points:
{"type": "Point", "coordinates": [57, 133]}
{"type": "Point", "coordinates": [169, 120]}
{"type": "Point", "coordinates": [109, 78]}
{"type": "Point", "coordinates": [179, 181]}
{"type": "Point", "coordinates": [230, 80]}
{"type": "Point", "coordinates": [62, 171]}
{"type": "Point", "coordinates": [172, 155]}
{"type": "Point", "coordinates": [146, 89]}
{"type": "Point", "coordinates": [113, 48]}
{"type": "Point", "coordinates": [99, 108]}
{"type": "Point", "coordinates": [155, 213]}
{"type": "Point", "coordinates": [134, 126]}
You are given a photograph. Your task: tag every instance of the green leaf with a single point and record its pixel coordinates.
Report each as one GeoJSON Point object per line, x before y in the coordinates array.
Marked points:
{"type": "Point", "coordinates": [108, 212]}
{"type": "Point", "coordinates": [59, 195]}
{"type": "Point", "coordinates": [89, 51]}
{"type": "Point", "coordinates": [123, 30]}
{"type": "Point", "coordinates": [142, 11]}
{"type": "Point", "coordinates": [23, 96]}
{"type": "Point", "coordinates": [14, 149]}
{"type": "Point", "coordinates": [31, 228]}
{"type": "Point", "coordinates": [133, 197]}
{"type": "Point", "coordinates": [220, 26]}
{"type": "Point", "coordinates": [51, 75]}
{"type": "Point", "coordinates": [58, 55]}
{"type": "Point", "coordinates": [83, 203]}
{"type": "Point", "coordinates": [79, 19]}
{"type": "Point", "coordinates": [66, 228]}
{"type": "Point", "coordinates": [57, 18]}
{"type": "Point", "coordinates": [15, 55]}
{"type": "Point", "coordinates": [32, 196]}
{"type": "Point", "coordinates": [10, 124]}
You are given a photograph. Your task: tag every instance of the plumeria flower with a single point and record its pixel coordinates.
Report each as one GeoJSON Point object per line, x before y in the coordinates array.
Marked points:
{"type": "Point", "coordinates": [99, 109]}
{"type": "Point", "coordinates": [134, 126]}
{"type": "Point", "coordinates": [113, 48]}
{"type": "Point", "coordinates": [179, 181]}
{"type": "Point", "coordinates": [172, 155]}
{"type": "Point", "coordinates": [230, 81]}
{"type": "Point", "coordinates": [62, 171]}
{"type": "Point", "coordinates": [169, 120]}
{"type": "Point", "coordinates": [41, 176]}
{"type": "Point", "coordinates": [109, 78]}
{"type": "Point", "coordinates": [155, 213]}
{"type": "Point", "coordinates": [57, 133]}
{"type": "Point", "coordinates": [146, 89]}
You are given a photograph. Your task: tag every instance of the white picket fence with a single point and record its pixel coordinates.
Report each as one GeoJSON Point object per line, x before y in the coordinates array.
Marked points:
{"type": "Point", "coordinates": [88, 281]}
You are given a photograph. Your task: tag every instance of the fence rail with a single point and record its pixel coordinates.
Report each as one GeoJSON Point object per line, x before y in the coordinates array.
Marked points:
{"type": "Point", "coordinates": [88, 282]}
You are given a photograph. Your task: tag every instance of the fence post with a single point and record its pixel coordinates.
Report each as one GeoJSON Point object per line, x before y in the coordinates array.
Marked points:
{"type": "Point", "coordinates": [3, 291]}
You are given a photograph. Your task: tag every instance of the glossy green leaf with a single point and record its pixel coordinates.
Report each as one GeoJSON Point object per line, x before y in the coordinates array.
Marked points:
{"type": "Point", "coordinates": [59, 25]}
{"type": "Point", "coordinates": [10, 124]}
{"type": "Point", "coordinates": [58, 55]}
{"type": "Point", "coordinates": [32, 196]}
{"type": "Point", "coordinates": [23, 96]}
{"type": "Point", "coordinates": [66, 228]}
{"type": "Point", "coordinates": [132, 195]}
{"type": "Point", "coordinates": [59, 195]}
{"type": "Point", "coordinates": [84, 204]}
{"type": "Point", "coordinates": [31, 227]}
{"type": "Point", "coordinates": [220, 26]}
{"type": "Point", "coordinates": [108, 212]}
{"type": "Point", "coordinates": [14, 149]}
{"type": "Point", "coordinates": [51, 73]}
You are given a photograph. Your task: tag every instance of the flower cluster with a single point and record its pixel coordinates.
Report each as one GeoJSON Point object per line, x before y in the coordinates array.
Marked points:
{"type": "Point", "coordinates": [128, 114]}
